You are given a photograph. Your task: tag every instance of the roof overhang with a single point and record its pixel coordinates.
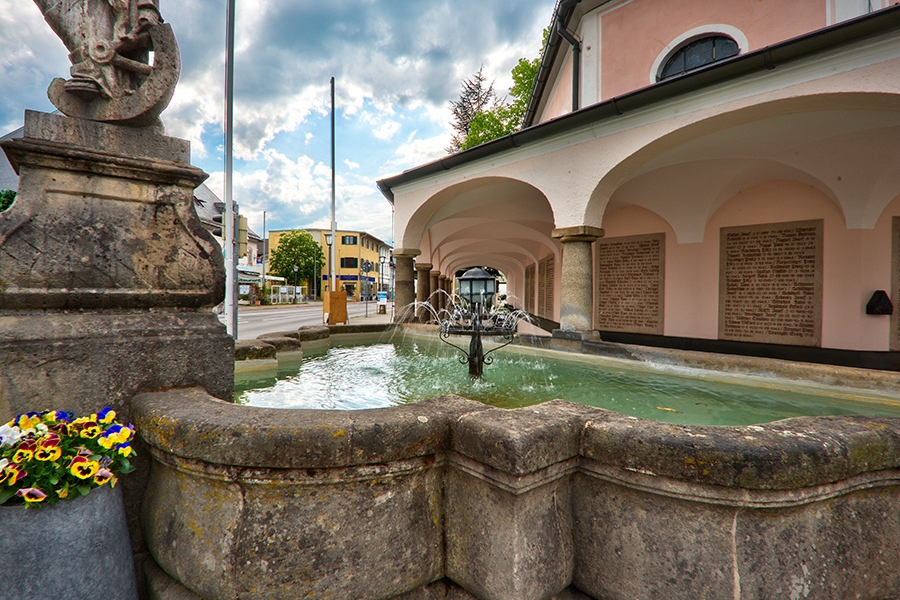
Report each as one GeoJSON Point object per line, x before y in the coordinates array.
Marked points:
{"type": "Point", "coordinates": [765, 59]}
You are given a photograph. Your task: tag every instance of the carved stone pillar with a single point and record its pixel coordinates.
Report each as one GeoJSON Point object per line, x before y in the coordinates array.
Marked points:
{"type": "Point", "coordinates": [404, 284]}
{"type": "Point", "coordinates": [423, 290]}
{"type": "Point", "coordinates": [576, 306]}
{"type": "Point", "coordinates": [442, 285]}
{"type": "Point", "coordinates": [108, 278]}
{"type": "Point", "coordinates": [433, 298]}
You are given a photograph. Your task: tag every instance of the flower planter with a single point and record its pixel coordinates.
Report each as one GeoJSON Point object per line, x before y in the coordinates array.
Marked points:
{"type": "Point", "coordinates": [73, 549]}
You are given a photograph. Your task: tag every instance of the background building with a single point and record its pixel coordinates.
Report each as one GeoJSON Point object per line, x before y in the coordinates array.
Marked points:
{"type": "Point", "coordinates": [713, 175]}
{"type": "Point", "coordinates": [352, 251]}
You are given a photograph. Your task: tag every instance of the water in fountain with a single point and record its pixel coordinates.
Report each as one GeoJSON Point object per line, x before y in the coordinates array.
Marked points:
{"type": "Point", "coordinates": [414, 367]}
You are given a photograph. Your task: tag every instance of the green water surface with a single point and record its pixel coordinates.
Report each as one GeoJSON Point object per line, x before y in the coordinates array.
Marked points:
{"type": "Point", "coordinates": [384, 373]}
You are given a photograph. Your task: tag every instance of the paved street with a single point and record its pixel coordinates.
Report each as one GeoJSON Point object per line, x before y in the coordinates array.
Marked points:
{"type": "Point", "coordinates": [257, 320]}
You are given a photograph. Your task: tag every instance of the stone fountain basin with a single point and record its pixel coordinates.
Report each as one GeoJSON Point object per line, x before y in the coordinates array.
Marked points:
{"type": "Point", "coordinates": [552, 501]}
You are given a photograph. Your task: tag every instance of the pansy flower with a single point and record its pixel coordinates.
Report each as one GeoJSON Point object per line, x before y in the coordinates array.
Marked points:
{"type": "Point", "coordinates": [9, 434]}
{"type": "Point", "coordinates": [48, 448]}
{"type": "Point", "coordinates": [106, 415]}
{"type": "Point", "coordinates": [82, 451]}
{"type": "Point", "coordinates": [44, 454]}
{"type": "Point", "coordinates": [90, 430]}
{"type": "Point", "coordinates": [48, 453]}
{"type": "Point", "coordinates": [83, 468]}
{"type": "Point", "coordinates": [25, 451]}
{"type": "Point", "coordinates": [31, 494]}
{"type": "Point", "coordinates": [50, 439]}
{"type": "Point", "coordinates": [102, 476]}
{"type": "Point", "coordinates": [28, 420]}
{"type": "Point", "coordinates": [112, 437]}
{"type": "Point", "coordinates": [11, 473]}
{"type": "Point", "coordinates": [64, 416]}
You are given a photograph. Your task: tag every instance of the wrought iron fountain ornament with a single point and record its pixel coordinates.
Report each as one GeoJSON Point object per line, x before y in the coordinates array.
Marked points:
{"type": "Point", "coordinates": [473, 318]}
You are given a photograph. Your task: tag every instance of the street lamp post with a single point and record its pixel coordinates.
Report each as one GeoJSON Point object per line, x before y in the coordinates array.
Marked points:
{"type": "Point", "coordinates": [477, 288]}
{"type": "Point", "coordinates": [328, 240]}
{"type": "Point", "coordinates": [296, 268]}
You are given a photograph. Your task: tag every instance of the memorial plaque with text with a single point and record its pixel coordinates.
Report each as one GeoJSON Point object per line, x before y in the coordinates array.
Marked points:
{"type": "Point", "coordinates": [770, 283]}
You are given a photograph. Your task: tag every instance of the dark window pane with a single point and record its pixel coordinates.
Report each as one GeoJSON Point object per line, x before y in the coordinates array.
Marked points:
{"type": "Point", "coordinates": [675, 66]}
{"type": "Point", "coordinates": [725, 47]}
{"type": "Point", "coordinates": [698, 54]}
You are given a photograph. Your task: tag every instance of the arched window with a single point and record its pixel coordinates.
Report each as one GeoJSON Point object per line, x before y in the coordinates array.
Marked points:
{"type": "Point", "coordinates": [698, 53]}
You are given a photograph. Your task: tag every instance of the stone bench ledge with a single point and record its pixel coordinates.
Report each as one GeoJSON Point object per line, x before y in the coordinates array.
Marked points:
{"type": "Point", "coordinates": [192, 424]}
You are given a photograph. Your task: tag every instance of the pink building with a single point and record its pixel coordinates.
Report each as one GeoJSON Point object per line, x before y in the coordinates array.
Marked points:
{"type": "Point", "coordinates": [719, 175]}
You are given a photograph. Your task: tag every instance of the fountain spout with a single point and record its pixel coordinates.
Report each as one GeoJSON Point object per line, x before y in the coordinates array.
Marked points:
{"type": "Point", "coordinates": [475, 356]}
{"type": "Point", "coordinates": [476, 290]}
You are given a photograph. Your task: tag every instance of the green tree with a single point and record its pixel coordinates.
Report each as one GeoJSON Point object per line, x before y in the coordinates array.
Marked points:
{"type": "Point", "coordinates": [300, 249]}
{"type": "Point", "coordinates": [474, 98]}
{"type": "Point", "coordinates": [7, 197]}
{"type": "Point", "coordinates": [503, 116]}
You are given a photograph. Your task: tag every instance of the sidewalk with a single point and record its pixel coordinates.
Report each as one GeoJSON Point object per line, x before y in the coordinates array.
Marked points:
{"type": "Point", "coordinates": [373, 317]}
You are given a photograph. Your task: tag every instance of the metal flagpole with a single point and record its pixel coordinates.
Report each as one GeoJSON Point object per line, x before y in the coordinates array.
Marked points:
{"type": "Point", "coordinates": [231, 318]}
{"type": "Point", "coordinates": [331, 277]}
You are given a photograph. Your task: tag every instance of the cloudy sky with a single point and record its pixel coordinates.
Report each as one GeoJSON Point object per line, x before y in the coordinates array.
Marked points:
{"type": "Point", "coordinates": [397, 65]}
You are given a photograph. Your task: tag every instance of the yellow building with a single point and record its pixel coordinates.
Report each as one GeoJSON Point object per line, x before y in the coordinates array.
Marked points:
{"type": "Point", "coordinates": [352, 251]}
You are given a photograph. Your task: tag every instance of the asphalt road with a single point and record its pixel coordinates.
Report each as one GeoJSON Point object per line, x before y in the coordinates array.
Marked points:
{"type": "Point", "coordinates": [254, 321]}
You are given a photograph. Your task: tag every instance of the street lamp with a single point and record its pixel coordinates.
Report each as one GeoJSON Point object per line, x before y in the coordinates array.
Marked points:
{"type": "Point", "coordinates": [477, 286]}
{"type": "Point", "coordinates": [328, 240]}
{"type": "Point", "coordinates": [296, 268]}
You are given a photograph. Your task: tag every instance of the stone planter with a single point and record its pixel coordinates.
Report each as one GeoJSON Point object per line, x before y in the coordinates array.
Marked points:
{"type": "Point", "coordinates": [74, 549]}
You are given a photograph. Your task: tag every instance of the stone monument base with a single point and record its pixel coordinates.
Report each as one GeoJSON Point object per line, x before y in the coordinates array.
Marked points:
{"type": "Point", "coordinates": [107, 278]}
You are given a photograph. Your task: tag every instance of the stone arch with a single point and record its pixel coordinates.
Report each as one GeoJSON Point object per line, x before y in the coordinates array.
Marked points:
{"type": "Point", "coordinates": [497, 218]}
{"type": "Point", "coordinates": [718, 135]}
{"type": "Point", "coordinates": [465, 196]}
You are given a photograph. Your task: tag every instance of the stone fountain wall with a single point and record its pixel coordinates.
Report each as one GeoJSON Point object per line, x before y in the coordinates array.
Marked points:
{"type": "Point", "coordinates": [449, 498]}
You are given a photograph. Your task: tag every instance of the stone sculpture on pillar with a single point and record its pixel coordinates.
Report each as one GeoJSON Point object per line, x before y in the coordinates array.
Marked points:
{"type": "Point", "coordinates": [107, 276]}
{"type": "Point", "coordinates": [110, 44]}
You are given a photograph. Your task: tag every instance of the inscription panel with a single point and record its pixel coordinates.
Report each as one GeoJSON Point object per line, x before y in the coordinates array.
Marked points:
{"type": "Point", "coordinates": [770, 283]}
{"type": "Point", "coordinates": [529, 288]}
{"type": "Point", "coordinates": [546, 268]}
{"type": "Point", "coordinates": [630, 283]}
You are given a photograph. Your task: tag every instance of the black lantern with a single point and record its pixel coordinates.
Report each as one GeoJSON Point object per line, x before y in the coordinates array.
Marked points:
{"type": "Point", "coordinates": [476, 286]}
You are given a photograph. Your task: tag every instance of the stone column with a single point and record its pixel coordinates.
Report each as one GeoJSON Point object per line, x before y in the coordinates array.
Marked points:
{"type": "Point", "coordinates": [404, 284]}
{"type": "Point", "coordinates": [423, 290]}
{"type": "Point", "coordinates": [108, 279]}
{"type": "Point", "coordinates": [435, 298]}
{"type": "Point", "coordinates": [442, 285]}
{"type": "Point", "coordinates": [576, 306]}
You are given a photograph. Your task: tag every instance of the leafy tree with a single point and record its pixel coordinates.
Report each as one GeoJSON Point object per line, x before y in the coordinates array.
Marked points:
{"type": "Point", "coordinates": [473, 99]}
{"type": "Point", "coordinates": [300, 249]}
{"type": "Point", "coordinates": [7, 197]}
{"type": "Point", "coordinates": [505, 116]}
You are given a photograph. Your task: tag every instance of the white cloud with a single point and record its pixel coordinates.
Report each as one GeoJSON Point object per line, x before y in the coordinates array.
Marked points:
{"type": "Point", "coordinates": [386, 131]}
{"type": "Point", "coordinates": [397, 64]}
{"type": "Point", "coordinates": [415, 151]}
